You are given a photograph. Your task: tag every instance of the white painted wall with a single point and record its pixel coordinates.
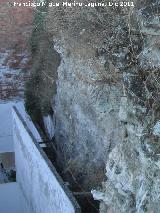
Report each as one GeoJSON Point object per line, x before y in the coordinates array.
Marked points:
{"type": "Point", "coordinates": [38, 180]}
{"type": "Point", "coordinates": [12, 200]}
{"type": "Point", "coordinates": [6, 135]}
{"type": "Point", "coordinates": [6, 138]}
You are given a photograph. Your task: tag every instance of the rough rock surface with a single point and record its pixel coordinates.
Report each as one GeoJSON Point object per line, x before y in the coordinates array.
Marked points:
{"type": "Point", "coordinates": [132, 168]}
{"type": "Point", "coordinates": [86, 116]}
{"type": "Point", "coordinates": [86, 106]}
{"type": "Point", "coordinates": [107, 102]}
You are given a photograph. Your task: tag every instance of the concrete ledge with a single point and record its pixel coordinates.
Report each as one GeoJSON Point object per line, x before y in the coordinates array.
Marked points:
{"type": "Point", "coordinates": [64, 201]}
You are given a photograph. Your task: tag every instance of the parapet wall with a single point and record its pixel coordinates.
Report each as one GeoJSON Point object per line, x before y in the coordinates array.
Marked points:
{"type": "Point", "coordinates": [42, 187]}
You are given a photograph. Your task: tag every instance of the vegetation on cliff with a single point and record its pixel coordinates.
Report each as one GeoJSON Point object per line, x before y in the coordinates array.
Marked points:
{"type": "Point", "coordinates": [41, 87]}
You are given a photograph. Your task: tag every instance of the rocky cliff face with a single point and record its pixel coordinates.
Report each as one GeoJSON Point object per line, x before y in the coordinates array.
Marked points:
{"type": "Point", "coordinates": [107, 102]}
{"type": "Point", "coordinates": [132, 168]}
{"type": "Point", "coordinates": [86, 112]}
{"type": "Point", "coordinates": [88, 96]}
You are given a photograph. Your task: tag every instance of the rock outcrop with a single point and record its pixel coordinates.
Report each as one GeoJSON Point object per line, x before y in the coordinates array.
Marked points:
{"type": "Point", "coordinates": [107, 101]}
{"type": "Point", "coordinates": [132, 168]}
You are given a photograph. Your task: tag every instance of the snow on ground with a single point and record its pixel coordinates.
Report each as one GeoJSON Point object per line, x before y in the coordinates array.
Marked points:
{"type": "Point", "coordinates": [7, 175]}
{"type": "Point", "coordinates": [12, 199]}
{"type": "Point", "coordinates": [13, 74]}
